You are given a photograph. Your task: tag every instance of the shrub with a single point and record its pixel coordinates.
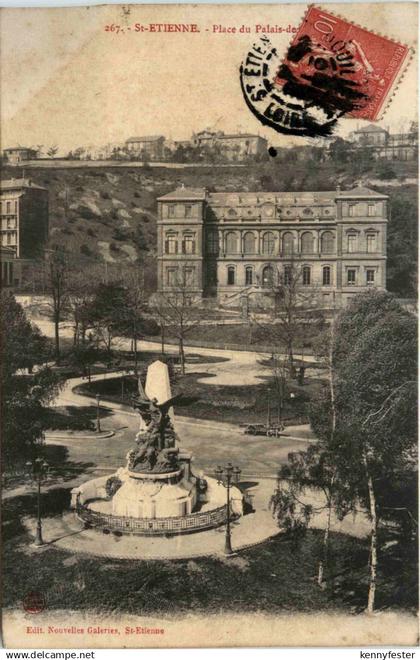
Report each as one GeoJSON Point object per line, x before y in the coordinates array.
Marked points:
{"type": "Point", "coordinates": [112, 485]}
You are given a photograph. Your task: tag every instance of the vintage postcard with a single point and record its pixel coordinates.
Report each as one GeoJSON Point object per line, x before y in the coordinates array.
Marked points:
{"type": "Point", "coordinates": [209, 325]}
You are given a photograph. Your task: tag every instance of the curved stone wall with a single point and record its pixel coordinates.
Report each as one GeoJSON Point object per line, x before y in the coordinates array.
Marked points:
{"type": "Point", "coordinates": [156, 526]}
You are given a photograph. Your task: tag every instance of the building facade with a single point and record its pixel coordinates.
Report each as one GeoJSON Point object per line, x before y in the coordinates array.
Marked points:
{"type": "Point", "coordinates": [390, 146]}
{"type": "Point", "coordinates": [151, 146]}
{"type": "Point", "coordinates": [16, 155]}
{"type": "Point", "coordinates": [23, 217]}
{"type": "Point", "coordinates": [10, 270]}
{"type": "Point", "coordinates": [234, 147]}
{"type": "Point", "coordinates": [228, 245]}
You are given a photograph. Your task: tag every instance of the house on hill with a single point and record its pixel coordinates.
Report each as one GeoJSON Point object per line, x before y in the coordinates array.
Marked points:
{"type": "Point", "coordinates": [150, 146]}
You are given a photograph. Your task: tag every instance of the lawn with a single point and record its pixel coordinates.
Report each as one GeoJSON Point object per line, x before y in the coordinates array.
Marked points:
{"type": "Point", "coordinates": [275, 577]}
{"type": "Point", "coordinates": [234, 404]}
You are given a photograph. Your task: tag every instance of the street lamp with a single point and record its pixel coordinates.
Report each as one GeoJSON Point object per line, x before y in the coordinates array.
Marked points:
{"type": "Point", "coordinates": [38, 470]}
{"type": "Point", "coordinates": [98, 418]}
{"type": "Point", "coordinates": [224, 477]}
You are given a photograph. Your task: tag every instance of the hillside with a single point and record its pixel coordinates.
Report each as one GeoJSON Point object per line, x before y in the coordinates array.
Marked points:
{"type": "Point", "coordinates": [109, 213]}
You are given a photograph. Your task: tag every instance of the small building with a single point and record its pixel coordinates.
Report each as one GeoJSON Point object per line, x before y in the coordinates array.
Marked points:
{"type": "Point", "coordinates": [150, 146]}
{"type": "Point", "coordinates": [370, 135]}
{"type": "Point", "coordinates": [16, 155]}
{"type": "Point", "coordinates": [24, 219]}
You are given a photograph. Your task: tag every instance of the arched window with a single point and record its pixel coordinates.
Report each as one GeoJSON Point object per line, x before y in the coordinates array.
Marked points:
{"type": "Point", "coordinates": [231, 243]}
{"type": "Point", "coordinates": [306, 275]}
{"type": "Point", "coordinates": [326, 275]}
{"type": "Point", "coordinates": [267, 276]}
{"type": "Point", "coordinates": [327, 242]}
{"type": "Point", "coordinates": [287, 243]}
{"type": "Point", "coordinates": [268, 243]}
{"type": "Point", "coordinates": [231, 275]}
{"type": "Point", "coordinates": [248, 275]}
{"type": "Point", "coordinates": [249, 243]}
{"type": "Point", "coordinates": [307, 243]}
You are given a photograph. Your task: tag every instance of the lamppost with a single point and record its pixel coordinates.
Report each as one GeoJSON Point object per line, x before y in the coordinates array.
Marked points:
{"type": "Point", "coordinates": [224, 477]}
{"type": "Point", "coordinates": [98, 418]}
{"type": "Point", "coordinates": [38, 469]}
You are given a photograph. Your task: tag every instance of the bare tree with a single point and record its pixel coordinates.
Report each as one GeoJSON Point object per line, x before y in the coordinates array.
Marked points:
{"type": "Point", "coordinates": [178, 309]}
{"type": "Point", "coordinates": [56, 276]}
{"type": "Point", "coordinates": [294, 312]}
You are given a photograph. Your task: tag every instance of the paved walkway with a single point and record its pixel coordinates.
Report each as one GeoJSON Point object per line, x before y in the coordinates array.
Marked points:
{"type": "Point", "coordinates": [67, 532]}
{"type": "Point", "coordinates": [235, 368]}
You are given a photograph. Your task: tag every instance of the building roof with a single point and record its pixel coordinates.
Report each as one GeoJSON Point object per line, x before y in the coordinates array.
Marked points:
{"type": "Point", "coordinates": [146, 138]}
{"type": "Point", "coordinates": [233, 136]}
{"type": "Point", "coordinates": [302, 197]}
{"type": "Point", "coordinates": [371, 128]}
{"type": "Point", "coordinates": [20, 149]}
{"type": "Point", "coordinates": [16, 184]}
{"type": "Point", "coordinates": [361, 191]}
{"type": "Point", "coordinates": [194, 194]}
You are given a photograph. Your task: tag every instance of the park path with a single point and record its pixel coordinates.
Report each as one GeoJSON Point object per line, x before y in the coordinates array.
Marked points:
{"type": "Point", "coordinates": [69, 397]}
{"type": "Point", "coordinates": [235, 367]}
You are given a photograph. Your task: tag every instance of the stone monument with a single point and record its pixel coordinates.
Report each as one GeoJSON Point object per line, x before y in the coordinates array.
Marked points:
{"type": "Point", "coordinates": [156, 492]}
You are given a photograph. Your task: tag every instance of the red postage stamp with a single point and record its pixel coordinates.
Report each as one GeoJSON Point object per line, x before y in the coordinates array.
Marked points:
{"type": "Point", "coordinates": [344, 65]}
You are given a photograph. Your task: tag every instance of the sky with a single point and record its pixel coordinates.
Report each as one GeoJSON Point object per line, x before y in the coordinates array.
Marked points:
{"type": "Point", "coordinates": [65, 80]}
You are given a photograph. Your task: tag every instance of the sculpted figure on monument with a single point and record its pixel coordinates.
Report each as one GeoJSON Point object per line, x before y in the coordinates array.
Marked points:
{"type": "Point", "coordinates": [155, 450]}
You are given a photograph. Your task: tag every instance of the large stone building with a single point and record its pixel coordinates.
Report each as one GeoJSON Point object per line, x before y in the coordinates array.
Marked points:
{"type": "Point", "coordinates": [23, 217]}
{"type": "Point", "coordinates": [233, 244]}
{"type": "Point", "coordinates": [232, 146]}
{"type": "Point", "coordinates": [151, 146]}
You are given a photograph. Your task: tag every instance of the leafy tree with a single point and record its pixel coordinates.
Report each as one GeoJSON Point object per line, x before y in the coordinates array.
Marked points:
{"type": "Point", "coordinates": [24, 396]}
{"type": "Point", "coordinates": [375, 361]}
{"type": "Point", "coordinates": [402, 247]}
{"type": "Point", "coordinates": [104, 313]}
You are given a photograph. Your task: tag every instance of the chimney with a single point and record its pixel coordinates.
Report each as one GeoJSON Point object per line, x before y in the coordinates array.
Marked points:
{"type": "Point", "coordinates": [338, 188]}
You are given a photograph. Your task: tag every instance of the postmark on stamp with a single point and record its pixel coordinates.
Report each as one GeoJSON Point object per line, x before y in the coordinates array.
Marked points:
{"type": "Point", "coordinates": [332, 68]}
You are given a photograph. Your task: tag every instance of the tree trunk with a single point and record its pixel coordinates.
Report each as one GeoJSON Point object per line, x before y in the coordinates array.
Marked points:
{"type": "Point", "coordinates": [135, 356]}
{"type": "Point", "coordinates": [162, 338]}
{"type": "Point", "coordinates": [57, 337]}
{"type": "Point", "coordinates": [182, 355]}
{"type": "Point", "coordinates": [373, 540]}
{"type": "Point", "coordinates": [325, 546]}
{"type": "Point", "coordinates": [290, 358]}
{"type": "Point", "coordinates": [76, 333]}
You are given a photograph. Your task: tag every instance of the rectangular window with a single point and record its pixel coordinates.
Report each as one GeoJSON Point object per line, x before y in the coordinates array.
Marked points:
{"type": "Point", "coordinates": [189, 276]}
{"type": "Point", "coordinates": [371, 243]}
{"type": "Point", "coordinates": [351, 276]}
{"type": "Point", "coordinates": [171, 276]}
{"type": "Point", "coordinates": [351, 243]}
{"type": "Point", "coordinates": [371, 210]}
{"type": "Point", "coordinates": [171, 210]}
{"type": "Point", "coordinates": [370, 276]}
{"type": "Point", "coordinates": [213, 242]}
{"type": "Point", "coordinates": [189, 245]}
{"type": "Point", "coordinates": [352, 210]}
{"type": "Point", "coordinates": [287, 275]}
{"type": "Point", "coordinates": [171, 245]}
{"type": "Point", "coordinates": [188, 211]}
{"type": "Point", "coordinates": [248, 275]}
